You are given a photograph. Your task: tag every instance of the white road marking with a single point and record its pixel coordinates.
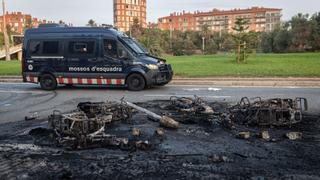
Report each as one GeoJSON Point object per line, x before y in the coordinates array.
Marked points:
{"type": "Point", "coordinates": [192, 89]}
{"type": "Point", "coordinates": [202, 89]}
{"type": "Point", "coordinates": [214, 89]}
{"type": "Point", "coordinates": [185, 95]}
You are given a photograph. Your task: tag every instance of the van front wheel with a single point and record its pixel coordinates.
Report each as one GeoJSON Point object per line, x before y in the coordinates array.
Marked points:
{"type": "Point", "coordinates": [136, 82]}
{"type": "Point", "coordinates": [48, 82]}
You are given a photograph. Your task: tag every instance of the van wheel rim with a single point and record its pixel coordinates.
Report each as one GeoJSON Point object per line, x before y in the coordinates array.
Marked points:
{"type": "Point", "coordinates": [135, 82]}
{"type": "Point", "coordinates": [47, 82]}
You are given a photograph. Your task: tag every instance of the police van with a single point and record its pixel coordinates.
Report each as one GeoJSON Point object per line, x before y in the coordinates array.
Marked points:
{"type": "Point", "coordinates": [55, 55]}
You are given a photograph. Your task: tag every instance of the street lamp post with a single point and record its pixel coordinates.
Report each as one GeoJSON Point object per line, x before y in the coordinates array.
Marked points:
{"type": "Point", "coordinates": [5, 35]}
{"type": "Point", "coordinates": [220, 34]}
{"type": "Point", "coordinates": [203, 44]}
{"type": "Point", "coordinates": [170, 36]}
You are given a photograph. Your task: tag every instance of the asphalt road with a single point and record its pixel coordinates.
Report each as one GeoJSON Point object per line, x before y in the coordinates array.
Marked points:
{"type": "Point", "coordinates": [18, 100]}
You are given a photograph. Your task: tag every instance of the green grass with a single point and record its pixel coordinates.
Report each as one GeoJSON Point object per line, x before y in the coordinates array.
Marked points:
{"type": "Point", "coordinates": [258, 65]}
{"type": "Point", "coordinates": [8, 68]}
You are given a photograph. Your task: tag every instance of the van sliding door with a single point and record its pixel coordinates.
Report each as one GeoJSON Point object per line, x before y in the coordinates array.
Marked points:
{"type": "Point", "coordinates": [114, 64]}
{"type": "Point", "coordinates": [82, 56]}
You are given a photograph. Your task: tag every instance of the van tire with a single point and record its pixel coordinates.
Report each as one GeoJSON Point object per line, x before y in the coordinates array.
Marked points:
{"type": "Point", "coordinates": [48, 82]}
{"type": "Point", "coordinates": [136, 82]}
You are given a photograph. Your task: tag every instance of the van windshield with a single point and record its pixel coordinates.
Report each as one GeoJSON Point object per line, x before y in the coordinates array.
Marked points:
{"type": "Point", "coordinates": [134, 45]}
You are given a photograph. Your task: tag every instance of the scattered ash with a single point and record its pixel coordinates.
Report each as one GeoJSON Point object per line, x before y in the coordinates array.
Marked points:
{"type": "Point", "coordinates": [204, 147]}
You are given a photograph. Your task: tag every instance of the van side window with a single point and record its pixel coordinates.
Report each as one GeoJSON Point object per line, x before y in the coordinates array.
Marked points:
{"type": "Point", "coordinates": [84, 48]}
{"type": "Point", "coordinates": [114, 49]}
{"type": "Point", "coordinates": [50, 47]}
{"type": "Point", "coordinates": [110, 48]}
{"type": "Point", "coordinates": [34, 47]}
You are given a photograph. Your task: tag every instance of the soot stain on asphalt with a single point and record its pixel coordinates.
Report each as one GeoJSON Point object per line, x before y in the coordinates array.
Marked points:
{"type": "Point", "coordinates": [198, 149]}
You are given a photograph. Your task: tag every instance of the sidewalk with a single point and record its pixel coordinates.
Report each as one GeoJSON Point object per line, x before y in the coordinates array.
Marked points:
{"type": "Point", "coordinates": [224, 81]}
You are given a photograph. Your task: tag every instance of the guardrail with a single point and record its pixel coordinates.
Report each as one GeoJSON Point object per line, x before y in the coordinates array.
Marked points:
{"type": "Point", "coordinates": [12, 50]}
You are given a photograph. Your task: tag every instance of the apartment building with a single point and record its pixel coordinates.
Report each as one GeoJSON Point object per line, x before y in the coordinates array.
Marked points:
{"type": "Point", "coordinates": [260, 19]}
{"type": "Point", "coordinates": [125, 11]}
{"type": "Point", "coordinates": [17, 21]}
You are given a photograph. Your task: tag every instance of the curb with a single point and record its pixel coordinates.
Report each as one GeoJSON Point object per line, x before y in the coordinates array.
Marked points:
{"type": "Point", "coordinates": [262, 82]}
{"type": "Point", "coordinates": [240, 83]}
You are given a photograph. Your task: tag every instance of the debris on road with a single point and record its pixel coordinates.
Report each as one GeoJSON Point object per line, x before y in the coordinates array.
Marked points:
{"type": "Point", "coordinates": [188, 110]}
{"type": "Point", "coordinates": [86, 127]}
{"type": "Point", "coordinates": [168, 122]}
{"type": "Point", "coordinates": [265, 135]}
{"type": "Point", "coordinates": [160, 132]}
{"type": "Point", "coordinates": [112, 136]}
{"type": "Point", "coordinates": [191, 105]}
{"type": "Point", "coordinates": [294, 135]}
{"type": "Point", "coordinates": [34, 116]}
{"type": "Point", "coordinates": [136, 132]}
{"type": "Point", "coordinates": [271, 112]}
{"type": "Point", "coordinates": [107, 112]}
{"type": "Point", "coordinates": [244, 135]}
{"type": "Point", "coordinates": [164, 121]}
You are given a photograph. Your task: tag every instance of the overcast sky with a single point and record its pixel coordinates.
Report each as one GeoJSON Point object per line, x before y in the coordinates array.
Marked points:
{"type": "Point", "coordinates": [79, 12]}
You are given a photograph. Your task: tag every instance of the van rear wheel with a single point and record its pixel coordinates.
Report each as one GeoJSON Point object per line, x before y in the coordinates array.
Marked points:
{"type": "Point", "coordinates": [48, 82]}
{"type": "Point", "coordinates": [136, 82]}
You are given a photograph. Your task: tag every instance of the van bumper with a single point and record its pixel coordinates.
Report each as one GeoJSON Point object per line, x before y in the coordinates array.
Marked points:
{"type": "Point", "coordinates": [159, 77]}
{"type": "Point", "coordinates": [30, 77]}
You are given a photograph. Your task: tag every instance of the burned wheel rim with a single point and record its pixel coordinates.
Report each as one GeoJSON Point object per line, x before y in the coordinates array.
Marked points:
{"type": "Point", "coordinates": [48, 82]}
{"type": "Point", "coordinates": [136, 82]}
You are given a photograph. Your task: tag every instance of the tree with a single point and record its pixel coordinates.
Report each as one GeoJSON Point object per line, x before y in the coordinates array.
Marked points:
{"type": "Point", "coordinates": [182, 44]}
{"type": "Point", "coordinates": [206, 37]}
{"type": "Point", "coordinates": [240, 37]}
{"type": "Point", "coordinates": [28, 24]}
{"type": "Point", "coordinates": [267, 42]}
{"type": "Point", "coordinates": [150, 38]}
{"type": "Point", "coordinates": [205, 31]}
{"type": "Point", "coordinates": [301, 31]}
{"type": "Point", "coordinates": [10, 32]}
{"type": "Point", "coordinates": [136, 29]}
{"type": "Point", "coordinates": [62, 22]}
{"type": "Point", "coordinates": [92, 23]}
{"type": "Point", "coordinates": [1, 40]}
{"type": "Point", "coordinates": [282, 41]}
{"type": "Point", "coordinates": [315, 31]}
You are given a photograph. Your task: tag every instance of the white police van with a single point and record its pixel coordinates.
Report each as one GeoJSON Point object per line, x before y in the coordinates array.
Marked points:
{"type": "Point", "coordinates": [54, 55]}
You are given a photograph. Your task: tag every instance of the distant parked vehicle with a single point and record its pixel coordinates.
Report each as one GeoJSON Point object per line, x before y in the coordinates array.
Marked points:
{"type": "Point", "coordinates": [55, 55]}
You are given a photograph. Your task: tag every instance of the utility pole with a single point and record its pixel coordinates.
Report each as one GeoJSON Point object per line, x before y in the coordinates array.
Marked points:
{"type": "Point", "coordinates": [170, 35]}
{"type": "Point", "coordinates": [5, 35]}
{"type": "Point", "coordinates": [203, 44]}
{"type": "Point", "coordinates": [220, 34]}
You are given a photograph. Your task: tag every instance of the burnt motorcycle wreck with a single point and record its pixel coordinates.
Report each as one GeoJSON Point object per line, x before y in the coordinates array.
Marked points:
{"type": "Point", "coordinates": [270, 112]}
{"type": "Point", "coordinates": [91, 124]}
{"type": "Point", "coordinates": [188, 110]}
{"type": "Point", "coordinates": [86, 127]}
